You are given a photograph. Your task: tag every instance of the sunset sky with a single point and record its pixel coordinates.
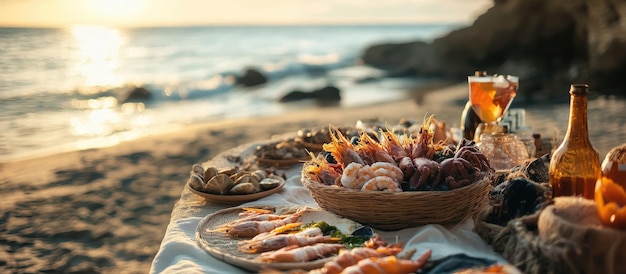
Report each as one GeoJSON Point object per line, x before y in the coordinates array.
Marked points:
{"type": "Point", "coordinates": [235, 12]}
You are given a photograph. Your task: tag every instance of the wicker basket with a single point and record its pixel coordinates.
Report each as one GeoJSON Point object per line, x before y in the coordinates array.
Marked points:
{"type": "Point", "coordinates": [565, 237]}
{"type": "Point", "coordinates": [394, 211]}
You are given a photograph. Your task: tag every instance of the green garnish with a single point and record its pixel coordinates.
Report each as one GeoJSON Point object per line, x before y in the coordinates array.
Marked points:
{"type": "Point", "coordinates": [348, 240]}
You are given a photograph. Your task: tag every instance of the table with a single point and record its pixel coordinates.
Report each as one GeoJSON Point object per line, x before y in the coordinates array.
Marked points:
{"type": "Point", "coordinates": [179, 252]}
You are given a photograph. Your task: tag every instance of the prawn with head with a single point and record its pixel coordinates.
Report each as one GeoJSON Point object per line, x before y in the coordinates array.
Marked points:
{"type": "Point", "coordinates": [371, 151]}
{"type": "Point", "coordinates": [319, 169]}
{"type": "Point", "coordinates": [341, 148]}
{"type": "Point", "coordinates": [294, 253]}
{"type": "Point", "coordinates": [423, 145]}
{"type": "Point", "coordinates": [253, 228]}
{"type": "Point", "coordinates": [349, 257]}
{"type": "Point", "coordinates": [309, 236]}
{"type": "Point", "coordinates": [395, 147]}
{"type": "Point", "coordinates": [388, 264]}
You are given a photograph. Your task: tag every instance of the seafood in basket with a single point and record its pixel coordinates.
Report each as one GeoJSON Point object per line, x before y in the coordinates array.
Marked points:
{"type": "Point", "coordinates": [232, 181]}
{"type": "Point", "coordinates": [397, 162]}
{"type": "Point", "coordinates": [411, 179]}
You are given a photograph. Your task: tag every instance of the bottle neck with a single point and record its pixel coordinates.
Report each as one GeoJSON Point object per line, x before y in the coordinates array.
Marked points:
{"type": "Point", "coordinates": [577, 130]}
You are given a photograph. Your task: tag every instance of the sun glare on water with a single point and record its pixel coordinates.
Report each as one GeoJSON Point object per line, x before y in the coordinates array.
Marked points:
{"type": "Point", "coordinates": [97, 55]}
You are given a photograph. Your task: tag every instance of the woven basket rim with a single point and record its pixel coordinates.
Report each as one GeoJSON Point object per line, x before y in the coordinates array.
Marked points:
{"type": "Point", "coordinates": [398, 210]}
{"type": "Point", "coordinates": [312, 184]}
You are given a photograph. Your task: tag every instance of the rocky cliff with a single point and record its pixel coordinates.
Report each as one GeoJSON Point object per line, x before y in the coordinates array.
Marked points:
{"type": "Point", "coordinates": [549, 44]}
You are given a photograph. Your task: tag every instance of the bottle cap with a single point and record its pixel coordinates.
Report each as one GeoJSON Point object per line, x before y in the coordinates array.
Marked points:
{"type": "Point", "coordinates": [579, 89]}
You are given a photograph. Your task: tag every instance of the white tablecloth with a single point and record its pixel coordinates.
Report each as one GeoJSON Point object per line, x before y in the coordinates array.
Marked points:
{"type": "Point", "coordinates": [179, 252]}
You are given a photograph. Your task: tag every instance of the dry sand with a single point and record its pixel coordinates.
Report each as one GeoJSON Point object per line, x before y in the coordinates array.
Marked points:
{"type": "Point", "coordinates": [106, 210]}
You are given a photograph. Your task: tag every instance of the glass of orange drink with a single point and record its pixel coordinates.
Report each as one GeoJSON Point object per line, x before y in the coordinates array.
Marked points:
{"type": "Point", "coordinates": [490, 97]}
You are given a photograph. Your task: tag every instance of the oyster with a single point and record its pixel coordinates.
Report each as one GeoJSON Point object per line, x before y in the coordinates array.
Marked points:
{"type": "Point", "coordinates": [220, 184]}
{"type": "Point", "coordinates": [243, 188]}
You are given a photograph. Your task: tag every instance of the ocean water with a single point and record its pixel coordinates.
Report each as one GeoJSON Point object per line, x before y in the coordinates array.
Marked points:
{"type": "Point", "coordinates": [58, 87]}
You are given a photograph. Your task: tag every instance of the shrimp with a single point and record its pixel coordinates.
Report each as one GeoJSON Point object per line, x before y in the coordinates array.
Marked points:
{"type": "Point", "coordinates": [253, 228]}
{"type": "Point", "coordinates": [342, 149]}
{"type": "Point", "coordinates": [282, 240]}
{"type": "Point", "coordinates": [382, 183]}
{"type": "Point", "coordinates": [351, 257]}
{"type": "Point", "coordinates": [388, 169]}
{"type": "Point", "coordinates": [252, 211]}
{"type": "Point", "coordinates": [356, 175]}
{"type": "Point", "coordinates": [295, 253]}
{"type": "Point", "coordinates": [371, 151]}
{"type": "Point", "coordinates": [319, 168]}
{"type": "Point", "coordinates": [376, 241]}
{"type": "Point", "coordinates": [262, 217]}
{"type": "Point", "coordinates": [284, 229]}
{"type": "Point", "coordinates": [423, 146]}
{"type": "Point", "coordinates": [255, 217]}
{"type": "Point", "coordinates": [392, 144]}
{"type": "Point", "coordinates": [388, 264]}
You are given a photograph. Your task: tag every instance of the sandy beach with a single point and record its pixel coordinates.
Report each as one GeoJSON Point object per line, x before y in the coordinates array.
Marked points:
{"type": "Point", "coordinates": [106, 210]}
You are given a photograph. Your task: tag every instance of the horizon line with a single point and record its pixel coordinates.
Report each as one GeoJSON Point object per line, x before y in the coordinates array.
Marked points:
{"type": "Point", "coordinates": [302, 24]}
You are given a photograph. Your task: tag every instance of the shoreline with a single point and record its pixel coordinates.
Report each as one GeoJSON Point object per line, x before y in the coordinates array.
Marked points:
{"type": "Point", "coordinates": [417, 93]}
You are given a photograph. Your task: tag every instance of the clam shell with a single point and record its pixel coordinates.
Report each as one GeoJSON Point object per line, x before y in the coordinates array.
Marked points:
{"type": "Point", "coordinates": [196, 182]}
{"type": "Point", "coordinates": [196, 169]}
{"type": "Point", "coordinates": [259, 174]}
{"type": "Point", "coordinates": [243, 188]}
{"type": "Point", "coordinates": [249, 179]}
{"type": "Point", "coordinates": [237, 175]}
{"type": "Point", "coordinates": [210, 173]}
{"type": "Point", "coordinates": [269, 183]}
{"type": "Point", "coordinates": [220, 184]}
{"type": "Point", "coordinates": [229, 171]}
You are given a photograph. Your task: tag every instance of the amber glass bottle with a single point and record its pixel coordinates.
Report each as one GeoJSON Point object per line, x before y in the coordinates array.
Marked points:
{"type": "Point", "coordinates": [575, 164]}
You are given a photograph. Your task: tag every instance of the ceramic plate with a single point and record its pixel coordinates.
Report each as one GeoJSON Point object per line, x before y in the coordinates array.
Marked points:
{"type": "Point", "coordinates": [236, 199]}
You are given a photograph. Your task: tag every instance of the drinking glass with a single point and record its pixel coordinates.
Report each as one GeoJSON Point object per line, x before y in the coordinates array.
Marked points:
{"type": "Point", "coordinates": [490, 97]}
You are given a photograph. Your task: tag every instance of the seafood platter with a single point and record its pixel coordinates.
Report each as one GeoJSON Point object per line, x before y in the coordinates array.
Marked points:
{"type": "Point", "coordinates": [411, 179]}
{"type": "Point", "coordinates": [281, 153]}
{"type": "Point", "coordinates": [233, 185]}
{"type": "Point", "coordinates": [269, 239]}
{"type": "Point", "coordinates": [314, 139]}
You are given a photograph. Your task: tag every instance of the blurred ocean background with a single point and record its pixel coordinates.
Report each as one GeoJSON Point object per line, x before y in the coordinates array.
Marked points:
{"type": "Point", "coordinates": [58, 87]}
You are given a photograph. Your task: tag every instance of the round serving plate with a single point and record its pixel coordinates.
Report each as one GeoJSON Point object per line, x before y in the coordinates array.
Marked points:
{"type": "Point", "coordinates": [224, 248]}
{"type": "Point", "coordinates": [236, 199]}
{"type": "Point", "coordinates": [282, 162]}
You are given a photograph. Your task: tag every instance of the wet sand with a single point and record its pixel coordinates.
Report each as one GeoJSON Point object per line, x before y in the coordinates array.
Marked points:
{"type": "Point", "coordinates": [106, 210]}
